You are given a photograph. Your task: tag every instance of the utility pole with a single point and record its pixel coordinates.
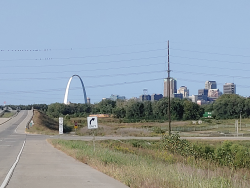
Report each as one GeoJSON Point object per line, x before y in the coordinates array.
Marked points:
{"type": "Point", "coordinates": [169, 115]}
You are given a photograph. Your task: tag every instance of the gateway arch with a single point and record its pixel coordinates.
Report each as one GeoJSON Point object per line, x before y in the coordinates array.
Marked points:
{"type": "Point", "coordinates": [67, 90]}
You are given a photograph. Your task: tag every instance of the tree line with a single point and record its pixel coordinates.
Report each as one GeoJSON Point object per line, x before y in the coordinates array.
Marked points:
{"type": "Point", "coordinates": [131, 109]}
{"type": "Point", "coordinates": [228, 106]}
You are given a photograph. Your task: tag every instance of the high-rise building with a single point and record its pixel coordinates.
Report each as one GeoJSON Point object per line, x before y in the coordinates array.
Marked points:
{"type": "Point", "coordinates": [117, 97]}
{"type": "Point", "coordinates": [194, 98]}
{"type": "Point", "coordinates": [173, 87]}
{"type": "Point", "coordinates": [156, 97]}
{"type": "Point", "coordinates": [214, 93]}
{"type": "Point", "coordinates": [229, 88]}
{"type": "Point", "coordinates": [202, 97]}
{"type": "Point", "coordinates": [178, 95]}
{"type": "Point", "coordinates": [145, 97]}
{"type": "Point", "coordinates": [184, 91]}
{"type": "Point", "coordinates": [203, 92]}
{"type": "Point", "coordinates": [210, 85]}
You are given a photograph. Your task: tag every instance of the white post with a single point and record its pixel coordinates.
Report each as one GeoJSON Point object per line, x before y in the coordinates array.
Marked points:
{"type": "Point", "coordinates": [60, 125]}
{"type": "Point", "coordinates": [237, 127]}
{"type": "Point", "coordinates": [240, 120]}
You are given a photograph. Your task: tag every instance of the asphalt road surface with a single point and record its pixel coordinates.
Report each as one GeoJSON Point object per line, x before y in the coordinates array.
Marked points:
{"type": "Point", "coordinates": [10, 143]}
{"type": "Point", "coordinates": [29, 161]}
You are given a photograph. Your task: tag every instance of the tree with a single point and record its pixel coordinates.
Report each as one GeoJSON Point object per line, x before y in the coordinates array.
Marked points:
{"type": "Point", "coordinates": [228, 106]}
{"type": "Point", "coordinates": [106, 106]}
{"type": "Point", "coordinates": [134, 110]}
{"type": "Point", "coordinates": [148, 111]}
{"type": "Point", "coordinates": [176, 109]}
{"type": "Point", "coordinates": [191, 110]}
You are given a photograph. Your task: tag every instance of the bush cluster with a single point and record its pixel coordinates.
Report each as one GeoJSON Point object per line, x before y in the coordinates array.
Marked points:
{"type": "Point", "coordinates": [227, 154]}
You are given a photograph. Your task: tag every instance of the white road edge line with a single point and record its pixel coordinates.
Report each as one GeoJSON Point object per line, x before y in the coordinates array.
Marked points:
{"type": "Point", "coordinates": [7, 178]}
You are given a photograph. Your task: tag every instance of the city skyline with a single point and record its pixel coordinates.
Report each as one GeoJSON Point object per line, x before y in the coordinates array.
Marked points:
{"type": "Point", "coordinates": [210, 90]}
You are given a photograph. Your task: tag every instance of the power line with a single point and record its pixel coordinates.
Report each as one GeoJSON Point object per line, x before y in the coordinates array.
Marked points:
{"type": "Point", "coordinates": [70, 64]}
{"type": "Point", "coordinates": [92, 76]}
{"type": "Point", "coordinates": [219, 75]}
{"type": "Point", "coordinates": [213, 67]}
{"type": "Point", "coordinates": [232, 47]}
{"type": "Point", "coordinates": [83, 48]}
{"type": "Point", "coordinates": [235, 55]}
{"type": "Point", "coordinates": [75, 88]}
{"type": "Point", "coordinates": [83, 57]}
{"type": "Point", "coordinates": [234, 62]}
{"type": "Point", "coordinates": [88, 70]}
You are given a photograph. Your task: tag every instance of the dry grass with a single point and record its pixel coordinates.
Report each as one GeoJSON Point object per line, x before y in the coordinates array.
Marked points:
{"type": "Point", "coordinates": [113, 126]}
{"type": "Point", "coordinates": [136, 167]}
{"type": "Point", "coordinates": [43, 124]}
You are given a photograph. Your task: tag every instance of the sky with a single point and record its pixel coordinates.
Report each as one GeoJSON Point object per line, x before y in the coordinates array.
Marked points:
{"type": "Point", "coordinates": [120, 47]}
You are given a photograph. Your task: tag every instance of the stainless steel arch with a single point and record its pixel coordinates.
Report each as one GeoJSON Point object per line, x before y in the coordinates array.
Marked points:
{"type": "Point", "coordinates": [67, 90]}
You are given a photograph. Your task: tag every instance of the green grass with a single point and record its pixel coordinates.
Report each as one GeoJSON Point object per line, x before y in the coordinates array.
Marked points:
{"type": "Point", "coordinates": [7, 114]}
{"type": "Point", "coordinates": [144, 164]}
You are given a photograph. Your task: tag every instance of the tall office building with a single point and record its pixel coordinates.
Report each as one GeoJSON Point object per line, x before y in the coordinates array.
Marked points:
{"type": "Point", "coordinates": [184, 91]}
{"type": "Point", "coordinates": [156, 97]}
{"type": "Point", "coordinates": [117, 97]}
{"type": "Point", "coordinates": [173, 87]}
{"type": "Point", "coordinates": [203, 92]}
{"type": "Point", "coordinates": [145, 97]}
{"type": "Point", "coordinates": [210, 85]}
{"type": "Point", "coordinates": [214, 93]}
{"type": "Point", "coordinates": [229, 88]}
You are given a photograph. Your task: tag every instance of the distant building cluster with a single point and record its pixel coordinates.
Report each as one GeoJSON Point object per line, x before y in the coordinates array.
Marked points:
{"type": "Point", "coordinates": [205, 96]}
{"type": "Point", "coordinates": [154, 97]}
{"type": "Point", "coordinates": [210, 93]}
{"type": "Point", "coordinates": [117, 97]}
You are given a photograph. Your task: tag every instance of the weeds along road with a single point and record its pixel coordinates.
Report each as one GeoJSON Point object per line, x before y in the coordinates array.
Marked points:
{"type": "Point", "coordinates": [29, 161]}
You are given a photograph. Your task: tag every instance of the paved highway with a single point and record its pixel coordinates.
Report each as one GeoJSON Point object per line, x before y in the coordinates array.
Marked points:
{"type": "Point", "coordinates": [10, 143]}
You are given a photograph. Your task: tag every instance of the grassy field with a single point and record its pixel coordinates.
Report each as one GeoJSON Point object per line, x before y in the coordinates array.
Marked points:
{"type": "Point", "coordinates": [112, 126]}
{"type": "Point", "coordinates": [146, 164]}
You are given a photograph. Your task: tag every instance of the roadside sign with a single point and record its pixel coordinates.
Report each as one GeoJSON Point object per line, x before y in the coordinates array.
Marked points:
{"type": "Point", "coordinates": [92, 122]}
{"type": "Point", "coordinates": [75, 125]}
{"type": "Point", "coordinates": [60, 125]}
{"type": "Point", "coordinates": [31, 123]}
